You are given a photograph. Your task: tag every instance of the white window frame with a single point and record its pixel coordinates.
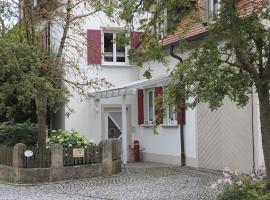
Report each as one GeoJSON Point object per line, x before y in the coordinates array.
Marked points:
{"type": "Point", "coordinates": [114, 32]}
{"type": "Point", "coordinates": [168, 120]}
{"type": "Point", "coordinates": [147, 105]}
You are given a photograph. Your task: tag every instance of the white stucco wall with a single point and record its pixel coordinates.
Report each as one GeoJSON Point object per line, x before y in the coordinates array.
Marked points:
{"type": "Point", "coordinates": [87, 116]}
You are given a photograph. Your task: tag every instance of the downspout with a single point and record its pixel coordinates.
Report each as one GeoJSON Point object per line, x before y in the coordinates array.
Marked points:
{"type": "Point", "coordinates": [49, 52]}
{"type": "Point", "coordinates": [49, 36]}
{"type": "Point", "coordinates": [182, 135]}
{"type": "Point", "coordinates": [253, 137]}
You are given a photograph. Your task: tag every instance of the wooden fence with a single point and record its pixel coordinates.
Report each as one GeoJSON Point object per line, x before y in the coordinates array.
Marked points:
{"type": "Point", "coordinates": [116, 150]}
{"type": "Point", "coordinates": [6, 155]}
{"type": "Point", "coordinates": [88, 155]}
{"type": "Point", "coordinates": [41, 158]}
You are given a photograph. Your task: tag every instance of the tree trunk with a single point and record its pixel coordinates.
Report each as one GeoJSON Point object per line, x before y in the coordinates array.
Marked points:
{"type": "Point", "coordinates": [263, 93]}
{"type": "Point", "coordinates": [41, 103]}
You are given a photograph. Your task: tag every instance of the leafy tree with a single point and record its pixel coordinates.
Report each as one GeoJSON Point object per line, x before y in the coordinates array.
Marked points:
{"type": "Point", "coordinates": [39, 71]}
{"type": "Point", "coordinates": [234, 59]}
{"type": "Point", "coordinates": [235, 65]}
{"type": "Point", "coordinates": [19, 72]}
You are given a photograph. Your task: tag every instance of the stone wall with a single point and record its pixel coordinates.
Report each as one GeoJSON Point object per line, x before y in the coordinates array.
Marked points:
{"type": "Point", "coordinates": [58, 172]}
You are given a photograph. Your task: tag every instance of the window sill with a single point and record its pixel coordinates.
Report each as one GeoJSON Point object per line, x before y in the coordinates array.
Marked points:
{"type": "Point", "coordinates": [116, 65]}
{"type": "Point", "coordinates": [169, 125]}
{"type": "Point", "coordinates": [162, 125]}
{"type": "Point", "coordinates": [147, 125]}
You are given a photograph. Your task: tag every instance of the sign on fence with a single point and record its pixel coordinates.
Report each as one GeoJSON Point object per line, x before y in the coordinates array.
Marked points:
{"type": "Point", "coordinates": [28, 153]}
{"type": "Point", "coordinates": [78, 153]}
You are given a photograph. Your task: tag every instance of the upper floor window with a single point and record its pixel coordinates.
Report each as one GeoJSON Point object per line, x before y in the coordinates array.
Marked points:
{"type": "Point", "coordinates": [161, 26]}
{"type": "Point", "coordinates": [113, 52]}
{"type": "Point", "coordinates": [103, 46]}
{"type": "Point", "coordinates": [214, 6]}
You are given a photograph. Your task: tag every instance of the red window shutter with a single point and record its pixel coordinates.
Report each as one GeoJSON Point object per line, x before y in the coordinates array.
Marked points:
{"type": "Point", "coordinates": [94, 46]}
{"type": "Point", "coordinates": [179, 116]}
{"type": "Point", "coordinates": [159, 117]}
{"type": "Point", "coordinates": [136, 39]}
{"type": "Point", "coordinates": [140, 107]}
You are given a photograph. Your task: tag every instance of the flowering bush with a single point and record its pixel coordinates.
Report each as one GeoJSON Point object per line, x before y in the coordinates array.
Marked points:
{"type": "Point", "coordinates": [69, 139]}
{"type": "Point", "coordinates": [235, 186]}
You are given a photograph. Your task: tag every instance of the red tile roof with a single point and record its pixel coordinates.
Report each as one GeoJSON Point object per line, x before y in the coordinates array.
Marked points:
{"type": "Point", "coordinates": [195, 29]}
{"type": "Point", "coordinates": [246, 7]}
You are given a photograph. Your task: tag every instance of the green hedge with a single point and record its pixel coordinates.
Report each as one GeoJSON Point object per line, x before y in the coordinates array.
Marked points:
{"type": "Point", "coordinates": [11, 134]}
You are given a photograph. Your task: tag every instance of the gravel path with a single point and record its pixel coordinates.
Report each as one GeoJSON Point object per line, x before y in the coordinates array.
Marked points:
{"type": "Point", "coordinates": [138, 181]}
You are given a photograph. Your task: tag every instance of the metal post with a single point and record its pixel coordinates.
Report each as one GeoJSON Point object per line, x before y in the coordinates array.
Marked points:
{"type": "Point", "coordinates": [124, 130]}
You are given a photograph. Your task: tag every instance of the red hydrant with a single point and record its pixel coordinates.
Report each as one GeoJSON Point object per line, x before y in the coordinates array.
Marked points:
{"type": "Point", "coordinates": [136, 146]}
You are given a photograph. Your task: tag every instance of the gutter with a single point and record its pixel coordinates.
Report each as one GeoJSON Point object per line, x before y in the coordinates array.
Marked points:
{"type": "Point", "coordinates": [189, 40]}
{"type": "Point", "coordinates": [182, 134]}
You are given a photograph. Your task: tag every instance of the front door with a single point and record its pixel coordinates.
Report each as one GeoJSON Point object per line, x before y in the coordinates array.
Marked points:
{"type": "Point", "coordinates": [112, 124]}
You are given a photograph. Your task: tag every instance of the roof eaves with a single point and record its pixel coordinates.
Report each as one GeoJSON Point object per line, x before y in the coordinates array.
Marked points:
{"type": "Point", "coordinates": [189, 40]}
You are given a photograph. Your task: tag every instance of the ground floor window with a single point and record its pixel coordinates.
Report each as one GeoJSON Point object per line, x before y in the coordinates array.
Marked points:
{"type": "Point", "coordinates": [150, 105]}
{"type": "Point", "coordinates": [171, 115]}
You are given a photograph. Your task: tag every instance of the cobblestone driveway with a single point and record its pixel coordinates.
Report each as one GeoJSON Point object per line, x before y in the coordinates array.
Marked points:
{"type": "Point", "coordinates": [138, 181]}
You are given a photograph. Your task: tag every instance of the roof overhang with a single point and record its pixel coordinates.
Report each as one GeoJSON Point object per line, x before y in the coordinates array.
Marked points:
{"type": "Point", "coordinates": [190, 40]}
{"type": "Point", "coordinates": [131, 88]}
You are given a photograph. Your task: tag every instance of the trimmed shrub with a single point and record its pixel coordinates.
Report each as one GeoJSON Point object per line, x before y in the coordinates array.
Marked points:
{"type": "Point", "coordinates": [249, 190]}
{"type": "Point", "coordinates": [13, 133]}
{"type": "Point", "coordinates": [69, 139]}
{"type": "Point", "coordinates": [236, 193]}
{"type": "Point", "coordinates": [235, 186]}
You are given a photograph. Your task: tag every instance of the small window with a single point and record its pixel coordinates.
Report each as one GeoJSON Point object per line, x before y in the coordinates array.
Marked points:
{"type": "Point", "coordinates": [113, 52]}
{"type": "Point", "coordinates": [150, 106]}
{"type": "Point", "coordinates": [161, 27]}
{"type": "Point", "coordinates": [213, 8]}
{"type": "Point", "coordinates": [171, 115]}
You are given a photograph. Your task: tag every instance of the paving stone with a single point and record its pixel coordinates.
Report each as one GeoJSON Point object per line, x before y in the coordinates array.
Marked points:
{"type": "Point", "coordinates": [145, 181]}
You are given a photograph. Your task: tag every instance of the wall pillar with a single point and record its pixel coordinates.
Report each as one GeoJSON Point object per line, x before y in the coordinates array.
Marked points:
{"type": "Point", "coordinates": [57, 163]}
{"type": "Point", "coordinates": [57, 160]}
{"type": "Point", "coordinates": [107, 157]}
{"type": "Point", "coordinates": [18, 158]}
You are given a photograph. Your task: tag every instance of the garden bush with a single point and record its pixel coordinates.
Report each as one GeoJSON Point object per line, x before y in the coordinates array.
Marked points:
{"type": "Point", "coordinates": [69, 139]}
{"type": "Point", "coordinates": [235, 186]}
{"type": "Point", "coordinates": [13, 133]}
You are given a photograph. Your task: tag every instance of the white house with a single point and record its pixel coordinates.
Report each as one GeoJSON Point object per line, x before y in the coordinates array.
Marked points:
{"type": "Point", "coordinates": [227, 137]}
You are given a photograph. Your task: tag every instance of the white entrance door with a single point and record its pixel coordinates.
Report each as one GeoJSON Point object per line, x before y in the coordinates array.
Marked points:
{"type": "Point", "coordinates": [113, 127]}
{"type": "Point", "coordinates": [114, 124]}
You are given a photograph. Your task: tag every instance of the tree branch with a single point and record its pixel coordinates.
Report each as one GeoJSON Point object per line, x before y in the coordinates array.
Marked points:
{"type": "Point", "coordinates": [240, 54]}
{"type": "Point", "coordinates": [3, 27]}
{"type": "Point", "coordinates": [65, 31]}
{"type": "Point", "coordinates": [82, 16]}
